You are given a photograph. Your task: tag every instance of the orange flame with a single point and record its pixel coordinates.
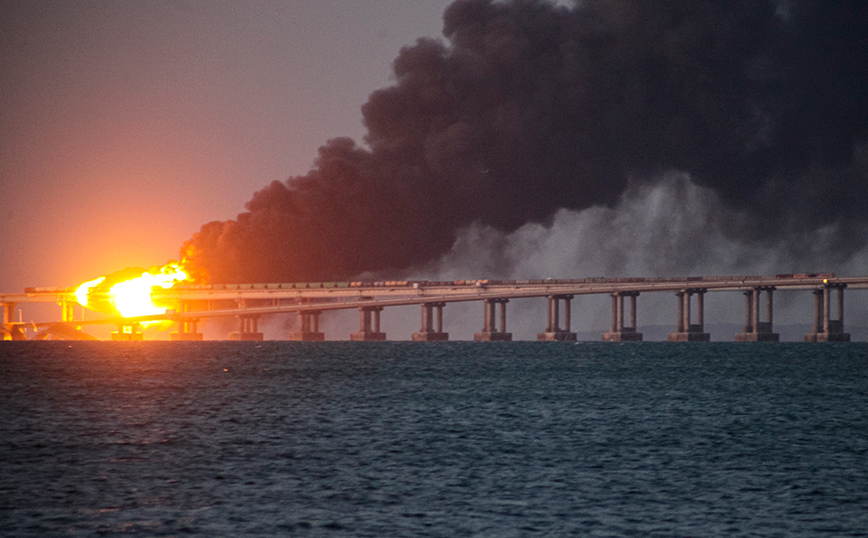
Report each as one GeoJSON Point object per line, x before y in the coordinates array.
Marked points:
{"type": "Point", "coordinates": [83, 290]}
{"type": "Point", "coordinates": [130, 297]}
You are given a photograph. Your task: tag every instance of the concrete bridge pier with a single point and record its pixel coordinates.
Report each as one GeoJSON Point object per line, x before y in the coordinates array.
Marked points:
{"type": "Point", "coordinates": [188, 329]}
{"type": "Point", "coordinates": [686, 331]}
{"type": "Point", "coordinates": [754, 329]}
{"type": "Point", "coordinates": [619, 332]}
{"type": "Point", "coordinates": [10, 332]}
{"type": "Point", "coordinates": [490, 333]}
{"type": "Point", "coordinates": [248, 330]}
{"type": "Point", "coordinates": [131, 332]}
{"type": "Point", "coordinates": [67, 311]}
{"type": "Point", "coordinates": [553, 331]}
{"type": "Point", "coordinates": [428, 332]}
{"type": "Point", "coordinates": [826, 329]}
{"type": "Point", "coordinates": [308, 327]}
{"type": "Point", "coordinates": [369, 325]}
{"type": "Point", "coordinates": [9, 312]}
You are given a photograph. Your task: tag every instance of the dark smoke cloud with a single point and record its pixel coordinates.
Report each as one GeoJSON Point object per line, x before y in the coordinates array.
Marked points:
{"type": "Point", "coordinates": [529, 107]}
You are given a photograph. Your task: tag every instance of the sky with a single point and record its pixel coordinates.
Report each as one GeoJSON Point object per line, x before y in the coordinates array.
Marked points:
{"type": "Point", "coordinates": [125, 126]}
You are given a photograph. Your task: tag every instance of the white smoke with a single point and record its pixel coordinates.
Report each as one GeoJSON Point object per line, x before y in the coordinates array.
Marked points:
{"type": "Point", "coordinates": [670, 227]}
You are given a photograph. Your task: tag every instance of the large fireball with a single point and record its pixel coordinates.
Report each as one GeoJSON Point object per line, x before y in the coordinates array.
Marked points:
{"type": "Point", "coordinates": [128, 292]}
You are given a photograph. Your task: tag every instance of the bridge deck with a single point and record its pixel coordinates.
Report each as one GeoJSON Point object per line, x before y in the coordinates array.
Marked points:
{"type": "Point", "coordinates": [348, 295]}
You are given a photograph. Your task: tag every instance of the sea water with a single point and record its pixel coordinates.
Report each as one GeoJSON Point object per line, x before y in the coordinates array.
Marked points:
{"type": "Point", "coordinates": [433, 439]}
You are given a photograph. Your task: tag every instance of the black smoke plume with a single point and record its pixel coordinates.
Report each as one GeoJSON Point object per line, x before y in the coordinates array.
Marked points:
{"type": "Point", "coordinates": [528, 107]}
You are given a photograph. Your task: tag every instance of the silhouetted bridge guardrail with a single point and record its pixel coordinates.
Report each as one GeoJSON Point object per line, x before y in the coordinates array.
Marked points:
{"type": "Point", "coordinates": [248, 302]}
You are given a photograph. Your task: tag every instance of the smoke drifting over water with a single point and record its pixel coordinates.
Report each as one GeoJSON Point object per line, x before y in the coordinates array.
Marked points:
{"type": "Point", "coordinates": [529, 109]}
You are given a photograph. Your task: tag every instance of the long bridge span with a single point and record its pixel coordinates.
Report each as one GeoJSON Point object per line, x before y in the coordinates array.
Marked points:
{"type": "Point", "coordinates": [249, 302]}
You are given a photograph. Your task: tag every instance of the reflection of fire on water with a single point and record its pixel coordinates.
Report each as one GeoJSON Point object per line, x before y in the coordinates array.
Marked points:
{"type": "Point", "coordinates": [128, 292]}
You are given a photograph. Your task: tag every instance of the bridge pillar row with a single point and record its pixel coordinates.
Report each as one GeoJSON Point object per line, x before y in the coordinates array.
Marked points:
{"type": "Point", "coordinates": [686, 330]}
{"type": "Point", "coordinates": [428, 332]}
{"type": "Point", "coordinates": [308, 327]}
{"type": "Point", "coordinates": [826, 329]}
{"type": "Point", "coordinates": [618, 331]}
{"type": "Point", "coordinates": [188, 328]}
{"type": "Point", "coordinates": [554, 331]}
{"type": "Point", "coordinates": [489, 332]}
{"type": "Point", "coordinates": [756, 330]}
{"type": "Point", "coordinates": [369, 325]}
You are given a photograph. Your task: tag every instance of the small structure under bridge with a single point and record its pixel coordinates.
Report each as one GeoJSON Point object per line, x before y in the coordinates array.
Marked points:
{"type": "Point", "coordinates": [247, 303]}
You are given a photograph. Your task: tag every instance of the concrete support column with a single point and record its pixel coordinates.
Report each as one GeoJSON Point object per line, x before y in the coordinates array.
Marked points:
{"type": "Point", "coordinates": [248, 330]}
{"type": "Point", "coordinates": [549, 315]}
{"type": "Point", "coordinates": [685, 331]}
{"type": "Point", "coordinates": [818, 311]}
{"type": "Point", "coordinates": [503, 315]}
{"type": "Point", "coordinates": [553, 323]}
{"type": "Point", "coordinates": [826, 309]}
{"type": "Point", "coordinates": [755, 303]}
{"type": "Point", "coordinates": [10, 332]}
{"type": "Point", "coordinates": [756, 330]}
{"type": "Point", "coordinates": [769, 306]}
{"type": "Point", "coordinates": [489, 334]}
{"type": "Point", "coordinates": [67, 312]}
{"type": "Point", "coordinates": [9, 312]}
{"type": "Point", "coordinates": [755, 306]}
{"type": "Point", "coordinates": [686, 321]}
{"type": "Point", "coordinates": [427, 315]}
{"type": "Point", "coordinates": [554, 331]}
{"type": "Point", "coordinates": [369, 325]}
{"type": "Point", "coordinates": [619, 332]}
{"type": "Point", "coordinates": [364, 319]}
{"type": "Point", "coordinates": [841, 306]}
{"type": "Point", "coordinates": [308, 323]}
{"type": "Point", "coordinates": [488, 314]}
{"type": "Point", "coordinates": [619, 312]}
{"type": "Point", "coordinates": [187, 327]}
{"type": "Point", "coordinates": [428, 333]}
{"type": "Point", "coordinates": [748, 312]}
{"type": "Point", "coordinates": [826, 329]}
{"type": "Point", "coordinates": [128, 333]}
{"type": "Point", "coordinates": [554, 314]}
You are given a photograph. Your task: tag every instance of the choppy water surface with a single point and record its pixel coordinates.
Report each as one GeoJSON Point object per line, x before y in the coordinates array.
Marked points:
{"type": "Point", "coordinates": [433, 439]}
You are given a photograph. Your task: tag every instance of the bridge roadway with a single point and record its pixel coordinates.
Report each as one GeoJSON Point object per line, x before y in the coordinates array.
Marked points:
{"type": "Point", "coordinates": [310, 299]}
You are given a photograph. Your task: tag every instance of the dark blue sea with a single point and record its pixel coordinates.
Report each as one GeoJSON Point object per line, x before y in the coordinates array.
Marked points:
{"type": "Point", "coordinates": [433, 439]}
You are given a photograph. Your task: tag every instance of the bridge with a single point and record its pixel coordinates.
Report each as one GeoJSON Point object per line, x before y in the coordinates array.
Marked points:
{"type": "Point", "coordinates": [249, 302]}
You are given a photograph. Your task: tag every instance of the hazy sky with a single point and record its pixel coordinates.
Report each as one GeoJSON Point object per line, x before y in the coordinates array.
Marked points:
{"type": "Point", "coordinates": [125, 126]}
